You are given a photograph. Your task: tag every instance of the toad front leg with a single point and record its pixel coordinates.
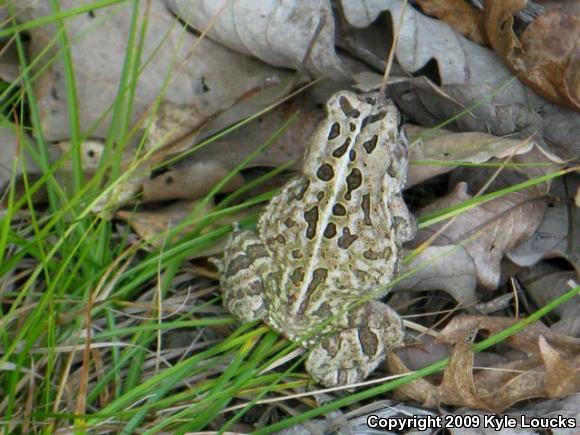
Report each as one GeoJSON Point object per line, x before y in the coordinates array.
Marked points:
{"type": "Point", "coordinates": [350, 354]}
{"type": "Point", "coordinates": [242, 273]}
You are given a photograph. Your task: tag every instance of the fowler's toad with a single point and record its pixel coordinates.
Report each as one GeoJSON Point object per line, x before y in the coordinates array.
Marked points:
{"type": "Point", "coordinates": [329, 238]}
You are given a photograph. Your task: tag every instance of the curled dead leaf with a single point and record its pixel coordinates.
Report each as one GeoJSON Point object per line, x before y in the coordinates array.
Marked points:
{"type": "Point", "coordinates": [562, 378]}
{"type": "Point", "coordinates": [458, 387]}
{"type": "Point", "coordinates": [290, 34]}
{"type": "Point", "coordinates": [152, 226]}
{"type": "Point", "coordinates": [546, 56]}
{"type": "Point", "coordinates": [459, 14]}
{"type": "Point", "coordinates": [447, 268]}
{"type": "Point", "coordinates": [553, 238]}
{"type": "Point", "coordinates": [549, 369]}
{"type": "Point", "coordinates": [525, 340]}
{"type": "Point", "coordinates": [420, 390]}
{"type": "Point", "coordinates": [189, 182]}
{"type": "Point", "coordinates": [435, 151]}
{"type": "Point", "coordinates": [488, 230]}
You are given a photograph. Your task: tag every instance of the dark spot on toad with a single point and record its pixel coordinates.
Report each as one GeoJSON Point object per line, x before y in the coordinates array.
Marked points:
{"type": "Point", "coordinates": [297, 276]}
{"type": "Point", "coordinates": [347, 108]}
{"type": "Point", "coordinates": [352, 155]}
{"type": "Point", "coordinates": [371, 144]}
{"type": "Point", "coordinates": [366, 208]}
{"type": "Point", "coordinates": [330, 230]}
{"type": "Point", "coordinates": [353, 182]}
{"type": "Point", "coordinates": [303, 189]}
{"type": "Point", "coordinates": [334, 131]}
{"type": "Point", "coordinates": [339, 152]}
{"type": "Point", "coordinates": [338, 210]}
{"type": "Point", "coordinates": [257, 251]}
{"type": "Point", "coordinates": [325, 172]}
{"type": "Point", "coordinates": [346, 239]}
{"type": "Point", "coordinates": [311, 218]}
{"type": "Point", "coordinates": [372, 118]}
{"type": "Point", "coordinates": [369, 254]}
{"type": "Point", "coordinates": [392, 171]}
{"type": "Point", "coordinates": [368, 341]}
{"type": "Point", "coordinates": [241, 262]}
{"type": "Point", "coordinates": [255, 288]}
{"type": "Point", "coordinates": [318, 278]}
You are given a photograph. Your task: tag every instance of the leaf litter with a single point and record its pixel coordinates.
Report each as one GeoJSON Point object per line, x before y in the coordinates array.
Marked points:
{"type": "Point", "coordinates": [528, 126]}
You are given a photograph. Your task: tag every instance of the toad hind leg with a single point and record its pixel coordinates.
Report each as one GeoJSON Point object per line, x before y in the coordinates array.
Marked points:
{"type": "Point", "coordinates": [350, 354]}
{"type": "Point", "coordinates": [242, 274]}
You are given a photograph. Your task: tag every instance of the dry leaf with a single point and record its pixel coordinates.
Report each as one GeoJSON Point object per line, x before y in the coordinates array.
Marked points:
{"type": "Point", "coordinates": [496, 226]}
{"type": "Point", "coordinates": [502, 107]}
{"type": "Point", "coordinates": [152, 226]}
{"type": "Point", "coordinates": [549, 369]}
{"type": "Point", "coordinates": [9, 69]}
{"type": "Point", "coordinates": [423, 39]}
{"type": "Point", "coordinates": [553, 238]}
{"type": "Point", "coordinates": [459, 14]}
{"type": "Point", "coordinates": [430, 146]}
{"type": "Point", "coordinates": [458, 387]}
{"type": "Point", "coordinates": [9, 151]}
{"type": "Point", "coordinates": [544, 283]}
{"type": "Point", "coordinates": [447, 268]}
{"type": "Point", "coordinates": [567, 407]}
{"type": "Point", "coordinates": [189, 182]}
{"type": "Point", "coordinates": [203, 74]}
{"type": "Point", "coordinates": [91, 153]}
{"type": "Point", "coordinates": [172, 123]}
{"type": "Point", "coordinates": [228, 152]}
{"type": "Point", "coordinates": [562, 378]}
{"type": "Point", "coordinates": [546, 56]}
{"type": "Point", "coordinates": [420, 390]}
{"type": "Point", "coordinates": [525, 340]}
{"type": "Point", "coordinates": [290, 34]}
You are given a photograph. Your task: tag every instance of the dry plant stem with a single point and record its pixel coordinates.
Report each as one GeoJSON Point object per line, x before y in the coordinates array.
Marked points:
{"type": "Point", "coordinates": [288, 357]}
{"type": "Point", "coordinates": [80, 409]}
{"type": "Point", "coordinates": [442, 320]}
{"type": "Point", "coordinates": [104, 287]}
{"type": "Point", "coordinates": [496, 304]}
{"type": "Point", "coordinates": [516, 298]}
{"type": "Point", "coordinates": [159, 300]}
{"type": "Point", "coordinates": [84, 379]}
{"type": "Point", "coordinates": [29, 400]}
{"type": "Point", "coordinates": [63, 382]}
{"type": "Point", "coordinates": [391, 56]}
